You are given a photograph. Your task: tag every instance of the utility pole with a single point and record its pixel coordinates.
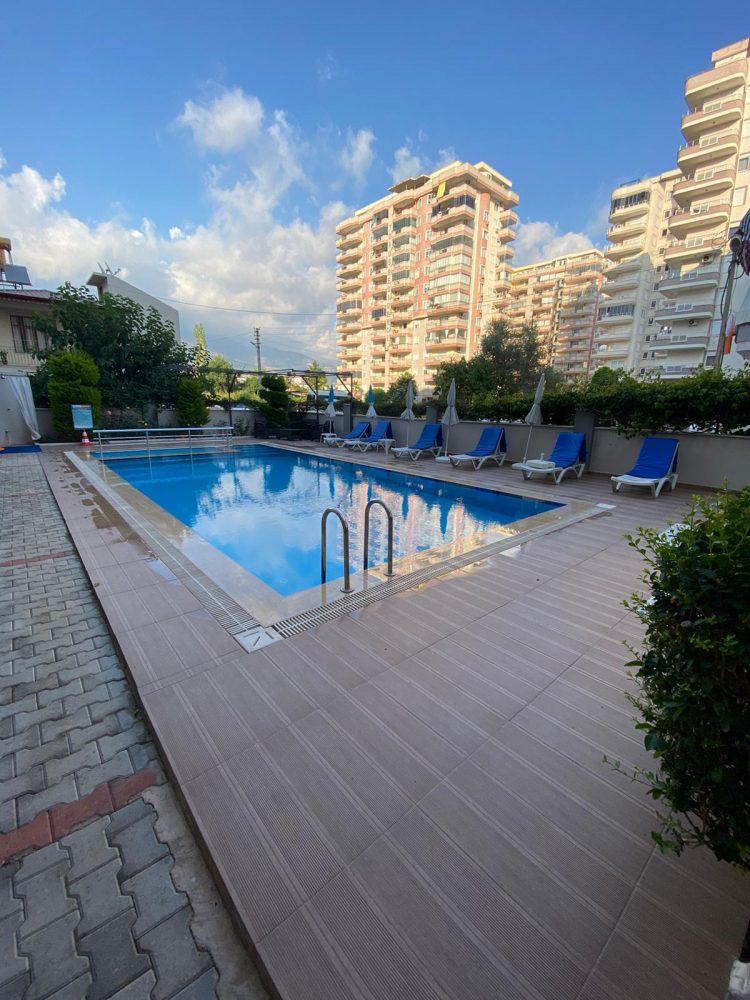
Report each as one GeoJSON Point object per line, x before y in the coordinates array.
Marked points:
{"type": "Point", "coordinates": [255, 341]}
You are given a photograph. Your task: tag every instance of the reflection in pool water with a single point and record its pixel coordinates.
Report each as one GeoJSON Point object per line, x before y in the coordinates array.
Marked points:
{"type": "Point", "coordinates": [261, 506]}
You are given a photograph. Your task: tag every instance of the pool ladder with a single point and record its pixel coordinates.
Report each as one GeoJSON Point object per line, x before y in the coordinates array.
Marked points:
{"type": "Point", "coordinates": [347, 588]}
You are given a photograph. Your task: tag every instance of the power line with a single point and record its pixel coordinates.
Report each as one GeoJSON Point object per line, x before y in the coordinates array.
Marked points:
{"type": "Point", "coordinates": [253, 312]}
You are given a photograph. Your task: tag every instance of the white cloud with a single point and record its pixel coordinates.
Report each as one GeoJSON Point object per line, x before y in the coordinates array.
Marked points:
{"type": "Point", "coordinates": [537, 241]}
{"type": "Point", "coordinates": [358, 153]}
{"type": "Point", "coordinates": [406, 163]}
{"type": "Point", "coordinates": [3, 161]}
{"type": "Point", "coordinates": [225, 123]}
{"type": "Point", "coordinates": [241, 257]}
{"type": "Point", "coordinates": [327, 68]}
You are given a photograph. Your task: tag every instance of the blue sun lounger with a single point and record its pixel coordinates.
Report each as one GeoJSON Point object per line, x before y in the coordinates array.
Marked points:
{"type": "Point", "coordinates": [568, 455]}
{"type": "Point", "coordinates": [362, 430]}
{"type": "Point", "coordinates": [381, 435]}
{"type": "Point", "coordinates": [655, 466]}
{"type": "Point", "coordinates": [490, 447]}
{"type": "Point", "coordinates": [430, 441]}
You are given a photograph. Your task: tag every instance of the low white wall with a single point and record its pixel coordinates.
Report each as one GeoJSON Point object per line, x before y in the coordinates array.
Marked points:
{"type": "Point", "coordinates": [711, 460]}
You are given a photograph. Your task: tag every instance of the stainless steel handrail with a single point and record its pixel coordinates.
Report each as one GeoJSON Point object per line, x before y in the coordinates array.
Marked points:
{"type": "Point", "coordinates": [347, 588]}
{"type": "Point", "coordinates": [389, 516]}
{"type": "Point", "coordinates": [150, 436]}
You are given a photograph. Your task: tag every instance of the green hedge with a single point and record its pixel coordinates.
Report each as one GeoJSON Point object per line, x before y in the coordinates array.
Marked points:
{"type": "Point", "coordinates": [72, 377]}
{"type": "Point", "coordinates": [707, 401]}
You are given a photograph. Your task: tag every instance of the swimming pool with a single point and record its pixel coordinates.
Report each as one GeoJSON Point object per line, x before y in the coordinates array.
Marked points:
{"type": "Point", "coordinates": [261, 506]}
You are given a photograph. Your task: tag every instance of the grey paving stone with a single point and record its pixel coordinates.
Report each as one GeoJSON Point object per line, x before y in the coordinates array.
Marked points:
{"type": "Point", "coordinates": [45, 898]}
{"type": "Point", "coordinates": [155, 895]}
{"type": "Point", "coordinates": [100, 709]}
{"type": "Point", "coordinates": [128, 815]}
{"type": "Point", "coordinates": [15, 989]}
{"type": "Point", "coordinates": [118, 766]}
{"type": "Point", "coordinates": [30, 806]}
{"type": "Point", "coordinates": [39, 860]}
{"type": "Point", "coordinates": [98, 896]}
{"type": "Point", "coordinates": [89, 849]}
{"type": "Point", "coordinates": [27, 704]}
{"type": "Point", "coordinates": [203, 988]}
{"type": "Point", "coordinates": [46, 714]}
{"type": "Point", "coordinates": [112, 673]}
{"type": "Point", "coordinates": [109, 745]}
{"type": "Point", "coordinates": [54, 959]}
{"type": "Point", "coordinates": [73, 688]}
{"type": "Point", "coordinates": [25, 740]}
{"type": "Point", "coordinates": [176, 959]}
{"type": "Point", "coordinates": [86, 757]}
{"type": "Point", "coordinates": [87, 699]}
{"type": "Point", "coordinates": [77, 990]}
{"type": "Point", "coordinates": [8, 819]}
{"type": "Point", "coordinates": [12, 965]}
{"type": "Point", "coordinates": [138, 846]}
{"type": "Point", "coordinates": [114, 959]}
{"type": "Point", "coordinates": [26, 759]}
{"type": "Point", "coordinates": [78, 738]}
{"type": "Point", "coordinates": [73, 720]}
{"type": "Point", "coordinates": [139, 989]}
{"type": "Point", "coordinates": [9, 902]}
{"type": "Point", "coordinates": [30, 781]}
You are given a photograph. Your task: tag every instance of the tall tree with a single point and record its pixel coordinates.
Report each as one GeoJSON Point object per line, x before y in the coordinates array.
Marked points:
{"type": "Point", "coordinates": [139, 360]}
{"type": "Point", "coordinates": [202, 355]}
{"type": "Point", "coordinates": [509, 360]}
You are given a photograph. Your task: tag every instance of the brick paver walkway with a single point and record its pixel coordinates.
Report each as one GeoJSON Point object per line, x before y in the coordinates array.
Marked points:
{"type": "Point", "coordinates": [88, 907]}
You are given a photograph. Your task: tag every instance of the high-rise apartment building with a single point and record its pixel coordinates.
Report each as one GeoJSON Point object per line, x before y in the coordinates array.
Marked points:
{"type": "Point", "coordinates": [421, 272]}
{"type": "Point", "coordinates": [669, 259]}
{"type": "Point", "coordinates": [638, 230]}
{"type": "Point", "coordinates": [560, 297]}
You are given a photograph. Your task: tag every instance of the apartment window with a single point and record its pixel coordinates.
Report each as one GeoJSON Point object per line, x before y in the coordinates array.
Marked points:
{"type": "Point", "coordinates": [738, 198]}
{"type": "Point", "coordinates": [743, 163]}
{"type": "Point", "coordinates": [25, 336]}
{"type": "Point", "coordinates": [486, 216]}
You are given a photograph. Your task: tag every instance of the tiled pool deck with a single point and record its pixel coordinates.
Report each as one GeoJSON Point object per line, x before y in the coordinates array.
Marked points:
{"type": "Point", "coordinates": [411, 801]}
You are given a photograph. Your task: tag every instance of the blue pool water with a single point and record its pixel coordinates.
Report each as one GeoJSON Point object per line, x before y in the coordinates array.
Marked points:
{"type": "Point", "coordinates": [261, 506]}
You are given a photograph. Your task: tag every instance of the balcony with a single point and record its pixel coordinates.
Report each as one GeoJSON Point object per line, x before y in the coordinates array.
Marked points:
{"type": "Point", "coordinates": [675, 371]}
{"type": "Point", "coordinates": [687, 219]}
{"type": "Point", "coordinates": [620, 268]}
{"type": "Point", "coordinates": [632, 211]}
{"type": "Point", "coordinates": [683, 343]}
{"type": "Point", "coordinates": [721, 80]}
{"type": "Point", "coordinates": [622, 230]}
{"type": "Point", "coordinates": [351, 242]}
{"type": "Point", "coordinates": [677, 311]}
{"type": "Point", "coordinates": [676, 283]}
{"type": "Point", "coordinates": [709, 148]}
{"type": "Point", "coordinates": [449, 216]}
{"type": "Point", "coordinates": [628, 248]}
{"type": "Point", "coordinates": [350, 271]}
{"type": "Point", "coordinates": [696, 248]}
{"type": "Point", "coordinates": [617, 314]}
{"type": "Point", "coordinates": [400, 348]}
{"type": "Point", "coordinates": [704, 182]}
{"type": "Point", "coordinates": [453, 341]}
{"type": "Point", "coordinates": [505, 234]}
{"type": "Point", "coordinates": [349, 257]}
{"type": "Point", "coordinates": [403, 281]}
{"type": "Point", "coordinates": [582, 277]}
{"type": "Point", "coordinates": [602, 354]}
{"type": "Point", "coordinates": [713, 114]}
{"type": "Point", "coordinates": [622, 282]}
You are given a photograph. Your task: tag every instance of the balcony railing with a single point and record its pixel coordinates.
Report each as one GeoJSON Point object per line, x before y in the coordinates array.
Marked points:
{"type": "Point", "coordinates": [17, 359]}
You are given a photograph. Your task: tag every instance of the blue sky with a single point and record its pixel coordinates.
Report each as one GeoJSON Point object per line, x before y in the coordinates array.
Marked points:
{"type": "Point", "coordinates": [247, 131]}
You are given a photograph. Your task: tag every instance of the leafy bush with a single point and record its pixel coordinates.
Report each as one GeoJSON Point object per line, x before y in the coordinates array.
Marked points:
{"type": "Point", "coordinates": [694, 677]}
{"type": "Point", "coordinates": [71, 377]}
{"type": "Point", "coordinates": [274, 400]}
{"type": "Point", "coordinates": [191, 404]}
{"type": "Point", "coordinates": [710, 400]}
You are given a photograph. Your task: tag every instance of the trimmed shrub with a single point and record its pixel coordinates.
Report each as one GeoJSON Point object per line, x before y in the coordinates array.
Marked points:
{"type": "Point", "coordinates": [274, 400]}
{"type": "Point", "coordinates": [192, 410]}
{"type": "Point", "coordinates": [72, 377]}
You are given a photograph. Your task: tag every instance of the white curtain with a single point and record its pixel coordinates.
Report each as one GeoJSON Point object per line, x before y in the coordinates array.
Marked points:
{"type": "Point", "coordinates": [21, 389]}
